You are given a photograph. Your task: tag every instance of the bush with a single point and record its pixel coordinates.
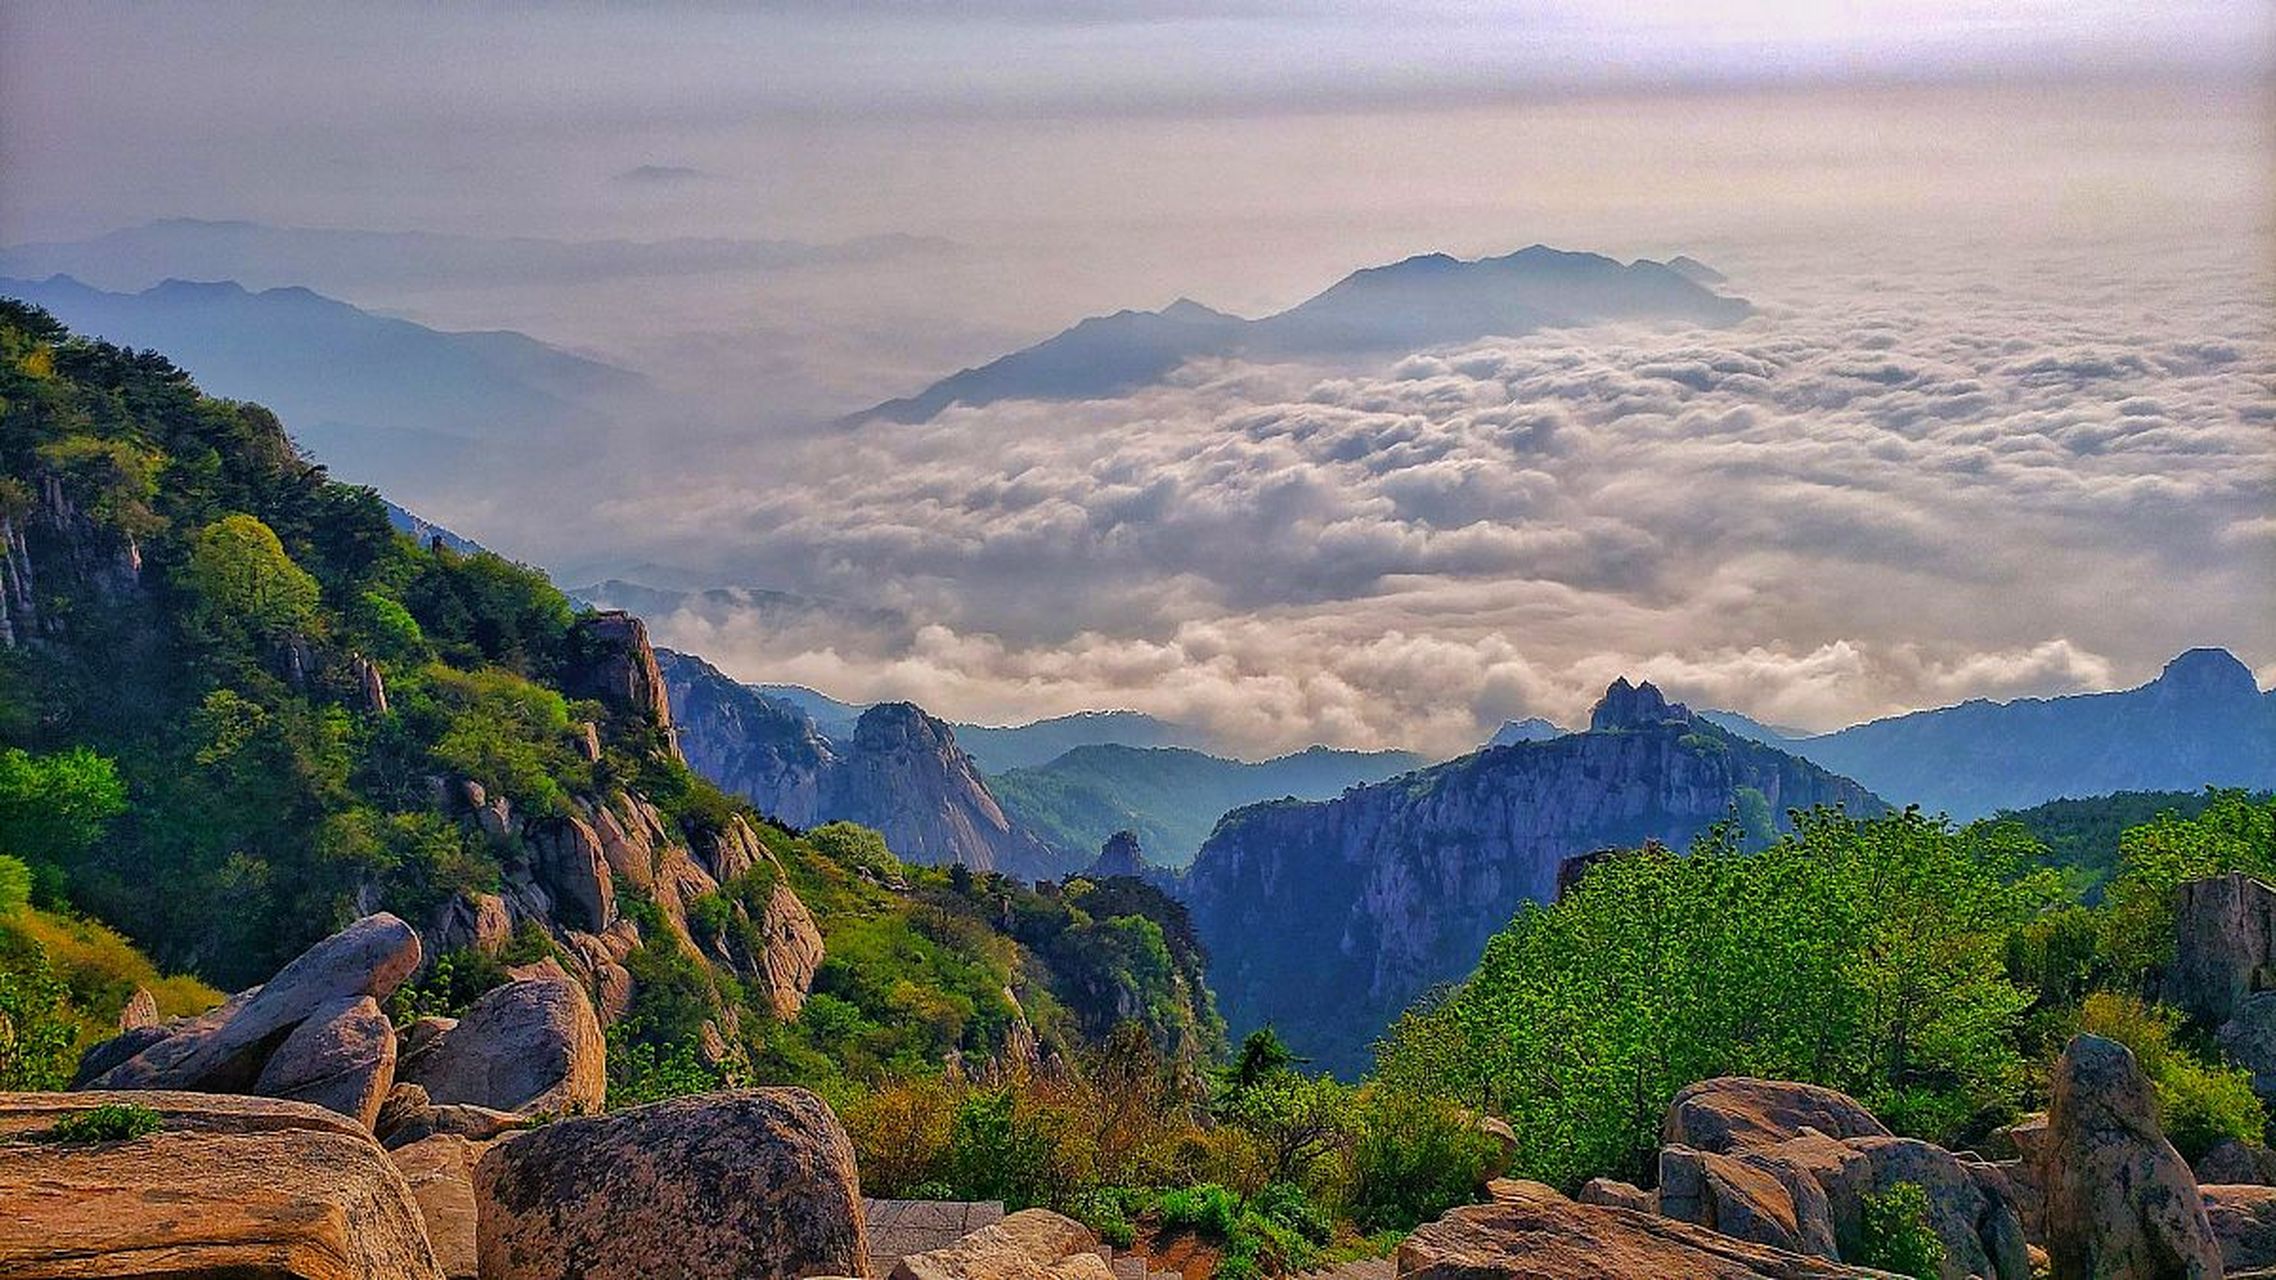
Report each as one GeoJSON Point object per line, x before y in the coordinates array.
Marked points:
{"type": "Point", "coordinates": [2200, 1105]}
{"type": "Point", "coordinates": [111, 1122]}
{"type": "Point", "coordinates": [37, 1030]}
{"type": "Point", "coordinates": [458, 979]}
{"type": "Point", "coordinates": [1414, 1158]}
{"type": "Point", "coordinates": [1894, 1235]}
{"type": "Point", "coordinates": [641, 1073]}
{"type": "Point", "coordinates": [1208, 1210]}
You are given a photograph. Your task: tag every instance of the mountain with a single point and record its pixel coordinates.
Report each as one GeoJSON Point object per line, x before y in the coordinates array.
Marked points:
{"type": "Point", "coordinates": [1171, 797]}
{"type": "Point", "coordinates": [900, 772]}
{"type": "Point", "coordinates": [2082, 835]}
{"type": "Point", "coordinates": [1424, 301]}
{"type": "Point", "coordinates": [425, 531]}
{"type": "Point", "coordinates": [348, 259]}
{"type": "Point", "coordinates": [1530, 729]}
{"type": "Point", "coordinates": [1325, 919]}
{"type": "Point", "coordinates": [833, 718]}
{"type": "Point", "coordinates": [1003, 748]}
{"type": "Point", "coordinates": [377, 400]}
{"type": "Point", "coordinates": [2202, 722]}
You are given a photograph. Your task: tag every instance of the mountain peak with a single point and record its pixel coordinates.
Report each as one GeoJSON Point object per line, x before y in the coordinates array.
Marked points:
{"type": "Point", "coordinates": [2207, 673]}
{"type": "Point", "coordinates": [1188, 310]}
{"type": "Point", "coordinates": [1120, 856]}
{"type": "Point", "coordinates": [1639, 706]}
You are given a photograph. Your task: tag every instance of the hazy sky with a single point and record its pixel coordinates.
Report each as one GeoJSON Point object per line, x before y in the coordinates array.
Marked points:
{"type": "Point", "coordinates": [2004, 424]}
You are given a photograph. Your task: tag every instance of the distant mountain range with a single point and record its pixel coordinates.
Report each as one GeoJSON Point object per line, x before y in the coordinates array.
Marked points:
{"type": "Point", "coordinates": [1171, 797]}
{"type": "Point", "coordinates": [345, 260]}
{"type": "Point", "coordinates": [379, 401]}
{"type": "Point", "coordinates": [2203, 721]}
{"type": "Point", "coordinates": [1325, 919]}
{"type": "Point", "coordinates": [1424, 301]}
{"type": "Point", "coordinates": [1530, 729]}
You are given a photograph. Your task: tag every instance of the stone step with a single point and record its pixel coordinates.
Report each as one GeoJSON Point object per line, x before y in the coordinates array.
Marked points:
{"type": "Point", "coordinates": [1361, 1269]}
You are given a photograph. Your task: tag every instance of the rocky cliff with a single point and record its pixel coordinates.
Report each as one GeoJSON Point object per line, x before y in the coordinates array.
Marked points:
{"type": "Point", "coordinates": [901, 772]}
{"type": "Point", "coordinates": [1327, 918]}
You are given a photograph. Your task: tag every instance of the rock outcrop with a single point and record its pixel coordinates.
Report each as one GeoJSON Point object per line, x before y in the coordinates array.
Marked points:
{"type": "Point", "coordinates": [440, 1172]}
{"type": "Point", "coordinates": [1028, 1245]}
{"type": "Point", "coordinates": [2243, 1219]}
{"type": "Point", "coordinates": [2225, 952]}
{"type": "Point", "coordinates": [1120, 856]}
{"type": "Point", "coordinates": [532, 1047]}
{"type": "Point", "coordinates": [2118, 1199]}
{"type": "Point", "coordinates": [755, 1182]}
{"type": "Point", "coordinates": [1733, 1113]}
{"type": "Point", "coordinates": [1530, 1232]}
{"type": "Point", "coordinates": [227, 1186]}
{"type": "Point", "coordinates": [312, 1031]}
{"type": "Point", "coordinates": [614, 664]}
{"type": "Point", "coordinates": [1328, 918]}
{"type": "Point", "coordinates": [766, 751]}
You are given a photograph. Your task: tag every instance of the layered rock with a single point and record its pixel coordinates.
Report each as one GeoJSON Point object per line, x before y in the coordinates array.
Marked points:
{"type": "Point", "coordinates": [342, 1057]}
{"type": "Point", "coordinates": [2243, 1219]}
{"type": "Point", "coordinates": [727, 1185]}
{"type": "Point", "coordinates": [1326, 919]}
{"type": "Point", "coordinates": [2119, 1201]}
{"type": "Point", "coordinates": [532, 1047]}
{"type": "Point", "coordinates": [1029, 1245]}
{"type": "Point", "coordinates": [1530, 1232]}
{"type": "Point", "coordinates": [225, 1187]}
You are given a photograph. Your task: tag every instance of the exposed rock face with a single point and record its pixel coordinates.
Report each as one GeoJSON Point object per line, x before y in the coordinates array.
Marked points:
{"type": "Point", "coordinates": [766, 751]}
{"type": "Point", "coordinates": [793, 952]}
{"type": "Point", "coordinates": [1529, 1232]}
{"type": "Point", "coordinates": [2244, 1223]}
{"type": "Point", "coordinates": [1640, 706]}
{"type": "Point", "coordinates": [440, 1173]}
{"type": "Point", "coordinates": [531, 1046]}
{"type": "Point", "coordinates": [904, 775]}
{"type": "Point", "coordinates": [1615, 1194]}
{"type": "Point", "coordinates": [1743, 1197]}
{"type": "Point", "coordinates": [756, 1182]}
{"type": "Point", "coordinates": [227, 1050]}
{"type": "Point", "coordinates": [1733, 1113]}
{"type": "Point", "coordinates": [342, 1058]}
{"type": "Point", "coordinates": [1029, 1244]}
{"type": "Point", "coordinates": [2238, 1164]}
{"type": "Point", "coordinates": [2119, 1201]}
{"type": "Point", "coordinates": [227, 1187]}
{"type": "Point", "coordinates": [615, 665]}
{"type": "Point", "coordinates": [2225, 936]}
{"type": "Point", "coordinates": [141, 1010]}
{"type": "Point", "coordinates": [1328, 918]}
{"type": "Point", "coordinates": [1120, 856]}
{"type": "Point", "coordinates": [566, 854]}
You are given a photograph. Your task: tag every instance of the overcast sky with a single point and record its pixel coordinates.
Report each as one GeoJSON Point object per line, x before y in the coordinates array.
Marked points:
{"type": "Point", "coordinates": [2003, 425]}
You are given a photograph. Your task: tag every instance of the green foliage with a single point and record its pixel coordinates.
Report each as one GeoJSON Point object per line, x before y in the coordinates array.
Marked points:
{"type": "Point", "coordinates": [110, 1122]}
{"type": "Point", "coordinates": [1864, 954]}
{"type": "Point", "coordinates": [1413, 1157]}
{"type": "Point", "coordinates": [1894, 1234]}
{"type": "Point", "coordinates": [640, 1072]}
{"type": "Point", "coordinates": [2082, 836]}
{"type": "Point", "coordinates": [2234, 832]}
{"type": "Point", "coordinates": [2200, 1104]}
{"type": "Point", "coordinates": [457, 980]}
{"type": "Point", "coordinates": [36, 1028]}
{"type": "Point", "coordinates": [15, 885]}
{"type": "Point", "coordinates": [244, 579]}
{"type": "Point", "coordinates": [53, 808]}
{"type": "Point", "coordinates": [1000, 1151]}
{"type": "Point", "coordinates": [501, 730]}
{"type": "Point", "coordinates": [1210, 1210]}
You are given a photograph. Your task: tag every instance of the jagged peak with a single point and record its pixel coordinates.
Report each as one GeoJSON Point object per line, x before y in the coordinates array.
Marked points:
{"type": "Point", "coordinates": [1634, 706]}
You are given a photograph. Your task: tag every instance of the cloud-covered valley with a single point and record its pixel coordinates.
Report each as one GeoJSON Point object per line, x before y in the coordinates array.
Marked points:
{"type": "Point", "coordinates": [1885, 490]}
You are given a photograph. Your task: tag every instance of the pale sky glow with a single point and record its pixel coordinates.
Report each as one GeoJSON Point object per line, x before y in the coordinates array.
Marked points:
{"type": "Point", "coordinates": [2046, 226]}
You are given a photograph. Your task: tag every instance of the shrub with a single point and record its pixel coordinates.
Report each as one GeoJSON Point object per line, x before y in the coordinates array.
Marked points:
{"type": "Point", "coordinates": [640, 1073]}
{"type": "Point", "coordinates": [1894, 1235]}
{"type": "Point", "coordinates": [1414, 1158]}
{"type": "Point", "coordinates": [1208, 1209]}
{"type": "Point", "coordinates": [2200, 1105]}
{"type": "Point", "coordinates": [111, 1122]}
{"type": "Point", "coordinates": [37, 1030]}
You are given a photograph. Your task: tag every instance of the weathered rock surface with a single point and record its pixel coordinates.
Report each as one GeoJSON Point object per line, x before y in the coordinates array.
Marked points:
{"type": "Point", "coordinates": [2225, 946]}
{"type": "Point", "coordinates": [793, 952]}
{"type": "Point", "coordinates": [1615, 1194]}
{"type": "Point", "coordinates": [1531, 1232]}
{"type": "Point", "coordinates": [141, 1010]}
{"type": "Point", "coordinates": [1732, 1113]}
{"type": "Point", "coordinates": [2244, 1224]}
{"type": "Point", "coordinates": [1029, 1244]}
{"type": "Point", "coordinates": [613, 663]}
{"type": "Point", "coordinates": [228, 1187]}
{"type": "Point", "coordinates": [904, 775]}
{"type": "Point", "coordinates": [440, 1172]}
{"type": "Point", "coordinates": [756, 1182]}
{"type": "Point", "coordinates": [1747, 1198]}
{"type": "Point", "coordinates": [2118, 1199]}
{"type": "Point", "coordinates": [225, 1051]}
{"type": "Point", "coordinates": [342, 1057]}
{"type": "Point", "coordinates": [530, 1046]}
{"type": "Point", "coordinates": [2237, 1163]}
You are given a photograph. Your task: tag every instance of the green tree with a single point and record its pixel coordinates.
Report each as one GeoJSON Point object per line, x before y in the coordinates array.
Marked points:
{"type": "Point", "coordinates": [53, 808]}
{"type": "Point", "coordinates": [242, 574]}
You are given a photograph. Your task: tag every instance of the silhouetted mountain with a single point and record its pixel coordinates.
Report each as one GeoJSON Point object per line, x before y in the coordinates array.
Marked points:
{"type": "Point", "coordinates": [1530, 729]}
{"type": "Point", "coordinates": [1424, 301]}
{"type": "Point", "coordinates": [1003, 748]}
{"type": "Point", "coordinates": [344, 259]}
{"type": "Point", "coordinates": [377, 400]}
{"type": "Point", "coordinates": [1326, 918]}
{"type": "Point", "coordinates": [2202, 722]}
{"type": "Point", "coordinates": [1171, 797]}
{"type": "Point", "coordinates": [1694, 270]}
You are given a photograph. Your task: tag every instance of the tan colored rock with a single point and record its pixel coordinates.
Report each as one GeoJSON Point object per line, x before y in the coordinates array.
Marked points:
{"type": "Point", "coordinates": [1734, 1112]}
{"type": "Point", "coordinates": [342, 1057]}
{"type": "Point", "coordinates": [440, 1172]}
{"type": "Point", "coordinates": [1614, 1194]}
{"type": "Point", "coordinates": [1529, 1232]}
{"type": "Point", "coordinates": [2237, 1163]}
{"type": "Point", "coordinates": [1023, 1246]}
{"type": "Point", "coordinates": [141, 1010]}
{"type": "Point", "coordinates": [1741, 1197]}
{"type": "Point", "coordinates": [566, 855]}
{"type": "Point", "coordinates": [1982, 1231]}
{"type": "Point", "coordinates": [1080, 1266]}
{"type": "Point", "coordinates": [224, 1051]}
{"type": "Point", "coordinates": [793, 952]}
{"type": "Point", "coordinates": [532, 1046]}
{"type": "Point", "coordinates": [755, 1182]}
{"type": "Point", "coordinates": [2225, 946]}
{"type": "Point", "coordinates": [2118, 1199]}
{"type": "Point", "coordinates": [229, 1186]}
{"type": "Point", "coordinates": [471, 921]}
{"type": "Point", "coordinates": [2244, 1223]}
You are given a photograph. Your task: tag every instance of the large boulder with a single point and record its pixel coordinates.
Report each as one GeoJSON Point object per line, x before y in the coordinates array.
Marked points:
{"type": "Point", "coordinates": [755, 1182]}
{"type": "Point", "coordinates": [530, 1046]}
{"type": "Point", "coordinates": [2244, 1224]}
{"type": "Point", "coordinates": [342, 1057]}
{"type": "Point", "coordinates": [2224, 936]}
{"type": "Point", "coordinates": [227, 1186]}
{"type": "Point", "coordinates": [1745, 1197]}
{"type": "Point", "coordinates": [2119, 1201]}
{"type": "Point", "coordinates": [225, 1051]}
{"type": "Point", "coordinates": [2249, 1040]}
{"type": "Point", "coordinates": [566, 854]}
{"type": "Point", "coordinates": [1024, 1246]}
{"type": "Point", "coordinates": [440, 1172]}
{"type": "Point", "coordinates": [1530, 1232]}
{"type": "Point", "coordinates": [1730, 1113]}
{"type": "Point", "coordinates": [1969, 1205]}
{"type": "Point", "coordinates": [2237, 1163]}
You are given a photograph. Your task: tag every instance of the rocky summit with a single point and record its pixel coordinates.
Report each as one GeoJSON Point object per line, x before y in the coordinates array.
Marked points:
{"type": "Point", "coordinates": [1324, 919]}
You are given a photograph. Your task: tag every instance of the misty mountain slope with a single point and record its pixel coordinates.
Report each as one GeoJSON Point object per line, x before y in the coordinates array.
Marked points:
{"type": "Point", "coordinates": [1325, 919]}
{"type": "Point", "coordinates": [900, 771]}
{"type": "Point", "coordinates": [377, 400]}
{"type": "Point", "coordinates": [1423, 301]}
{"type": "Point", "coordinates": [342, 258]}
{"type": "Point", "coordinates": [2202, 722]}
{"type": "Point", "coordinates": [1171, 797]}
